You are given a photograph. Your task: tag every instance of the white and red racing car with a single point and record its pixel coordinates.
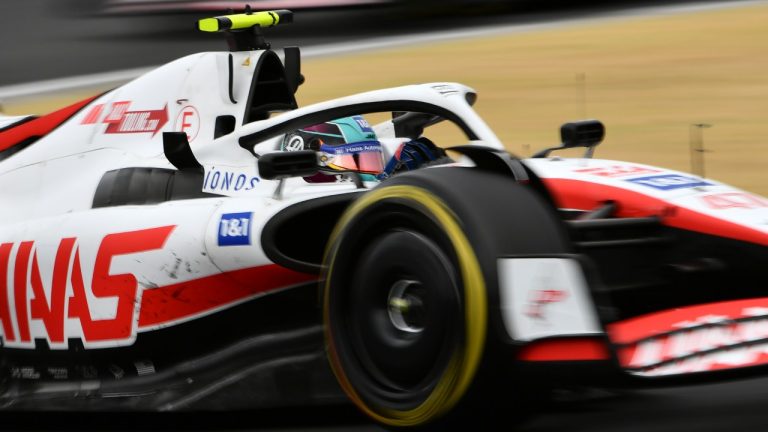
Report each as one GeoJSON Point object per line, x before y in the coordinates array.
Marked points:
{"type": "Point", "coordinates": [194, 240]}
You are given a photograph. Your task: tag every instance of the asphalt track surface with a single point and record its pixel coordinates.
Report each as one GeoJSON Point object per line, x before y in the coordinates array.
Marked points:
{"type": "Point", "coordinates": [724, 407]}
{"type": "Point", "coordinates": [45, 39]}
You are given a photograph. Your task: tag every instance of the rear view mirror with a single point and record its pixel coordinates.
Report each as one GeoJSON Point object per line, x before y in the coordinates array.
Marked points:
{"type": "Point", "coordinates": [585, 133]}
{"type": "Point", "coordinates": [280, 165]}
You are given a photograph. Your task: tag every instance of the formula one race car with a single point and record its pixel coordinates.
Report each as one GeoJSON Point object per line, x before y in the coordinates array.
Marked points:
{"type": "Point", "coordinates": [193, 240]}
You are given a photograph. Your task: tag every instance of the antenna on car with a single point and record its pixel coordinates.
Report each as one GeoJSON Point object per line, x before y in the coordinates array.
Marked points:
{"type": "Point", "coordinates": [244, 31]}
{"type": "Point", "coordinates": [584, 133]}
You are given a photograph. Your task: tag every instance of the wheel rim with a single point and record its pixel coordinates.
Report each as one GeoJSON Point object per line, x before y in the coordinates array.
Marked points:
{"type": "Point", "coordinates": [402, 354]}
{"type": "Point", "coordinates": [406, 306]}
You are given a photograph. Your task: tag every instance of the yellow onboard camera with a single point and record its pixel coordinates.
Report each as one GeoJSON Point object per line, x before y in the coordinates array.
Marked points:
{"type": "Point", "coordinates": [245, 21]}
{"type": "Point", "coordinates": [243, 30]}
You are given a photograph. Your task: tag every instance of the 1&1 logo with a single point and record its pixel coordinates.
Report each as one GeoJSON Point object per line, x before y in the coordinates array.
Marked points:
{"type": "Point", "coordinates": [235, 229]}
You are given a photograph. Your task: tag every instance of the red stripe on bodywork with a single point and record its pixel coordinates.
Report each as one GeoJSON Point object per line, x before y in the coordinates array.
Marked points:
{"type": "Point", "coordinates": [40, 126]}
{"type": "Point", "coordinates": [197, 297]}
{"type": "Point", "coordinates": [583, 195]}
{"type": "Point", "coordinates": [708, 337]}
{"type": "Point", "coordinates": [634, 329]}
{"type": "Point", "coordinates": [566, 349]}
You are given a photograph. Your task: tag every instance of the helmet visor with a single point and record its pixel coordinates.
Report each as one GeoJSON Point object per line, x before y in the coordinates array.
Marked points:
{"type": "Point", "coordinates": [363, 157]}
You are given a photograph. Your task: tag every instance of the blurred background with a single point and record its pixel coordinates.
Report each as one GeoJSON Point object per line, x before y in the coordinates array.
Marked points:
{"type": "Point", "coordinates": [659, 74]}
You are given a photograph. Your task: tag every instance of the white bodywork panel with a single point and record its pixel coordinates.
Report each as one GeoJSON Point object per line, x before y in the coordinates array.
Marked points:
{"type": "Point", "coordinates": [686, 200]}
{"type": "Point", "coordinates": [8, 121]}
{"type": "Point", "coordinates": [543, 297]}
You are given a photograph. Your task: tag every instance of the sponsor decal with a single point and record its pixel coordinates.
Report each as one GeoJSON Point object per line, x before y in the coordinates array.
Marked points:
{"type": "Point", "coordinates": [295, 143]}
{"type": "Point", "coordinates": [188, 121]}
{"type": "Point", "coordinates": [545, 297]}
{"type": "Point", "coordinates": [223, 181]}
{"type": "Point", "coordinates": [25, 372]}
{"type": "Point", "coordinates": [731, 200]}
{"type": "Point", "coordinates": [149, 121]}
{"type": "Point", "coordinates": [541, 298]}
{"type": "Point", "coordinates": [695, 339]}
{"type": "Point", "coordinates": [235, 229]}
{"type": "Point", "coordinates": [445, 89]}
{"type": "Point", "coordinates": [42, 308]}
{"type": "Point", "coordinates": [117, 112]}
{"type": "Point", "coordinates": [120, 120]}
{"type": "Point", "coordinates": [359, 147]}
{"type": "Point", "coordinates": [93, 115]}
{"type": "Point", "coordinates": [363, 123]}
{"type": "Point", "coordinates": [668, 182]}
{"type": "Point", "coordinates": [58, 373]}
{"type": "Point", "coordinates": [614, 171]}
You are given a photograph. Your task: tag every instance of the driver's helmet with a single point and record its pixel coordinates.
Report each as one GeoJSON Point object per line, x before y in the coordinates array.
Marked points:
{"type": "Point", "coordinates": [346, 144]}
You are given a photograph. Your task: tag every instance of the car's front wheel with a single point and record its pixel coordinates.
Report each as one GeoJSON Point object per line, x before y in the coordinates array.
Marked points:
{"type": "Point", "coordinates": [410, 275]}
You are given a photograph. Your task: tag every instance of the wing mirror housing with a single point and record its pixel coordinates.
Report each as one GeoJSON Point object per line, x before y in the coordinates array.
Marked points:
{"type": "Point", "coordinates": [302, 163]}
{"type": "Point", "coordinates": [583, 133]}
{"type": "Point", "coordinates": [281, 165]}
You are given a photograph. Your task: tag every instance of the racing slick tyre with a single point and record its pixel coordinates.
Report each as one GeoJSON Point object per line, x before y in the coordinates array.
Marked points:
{"type": "Point", "coordinates": [413, 328]}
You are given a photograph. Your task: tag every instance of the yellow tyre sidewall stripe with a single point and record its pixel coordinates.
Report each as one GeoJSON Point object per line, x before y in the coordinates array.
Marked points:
{"type": "Point", "coordinates": [464, 362]}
